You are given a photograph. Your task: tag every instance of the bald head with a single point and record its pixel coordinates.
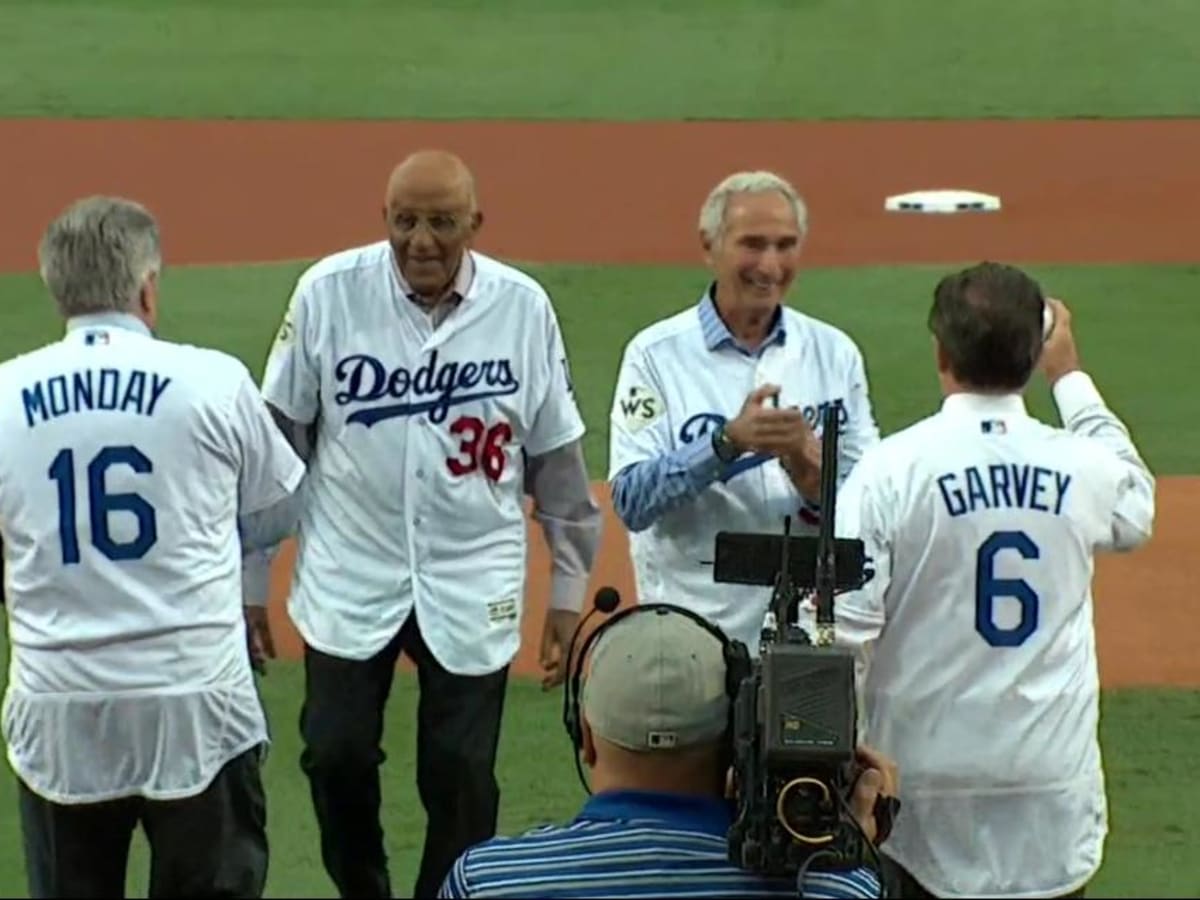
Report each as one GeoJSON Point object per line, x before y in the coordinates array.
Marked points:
{"type": "Point", "coordinates": [432, 215]}
{"type": "Point", "coordinates": [434, 175]}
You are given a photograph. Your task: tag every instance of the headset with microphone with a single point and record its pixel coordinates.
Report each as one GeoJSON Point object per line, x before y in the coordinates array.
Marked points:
{"type": "Point", "coordinates": [738, 664]}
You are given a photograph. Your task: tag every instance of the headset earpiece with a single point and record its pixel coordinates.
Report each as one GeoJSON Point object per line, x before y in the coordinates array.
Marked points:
{"type": "Point", "coordinates": [738, 667]}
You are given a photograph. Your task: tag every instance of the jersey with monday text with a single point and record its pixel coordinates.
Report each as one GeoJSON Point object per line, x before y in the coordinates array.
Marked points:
{"type": "Point", "coordinates": [982, 523]}
{"type": "Point", "coordinates": [672, 390]}
{"type": "Point", "coordinates": [415, 494]}
{"type": "Point", "coordinates": [124, 462]}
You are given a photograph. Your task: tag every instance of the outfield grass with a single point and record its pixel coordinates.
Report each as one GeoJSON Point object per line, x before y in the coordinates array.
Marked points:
{"type": "Point", "coordinates": [1148, 737]}
{"type": "Point", "coordinates": [620, 59]}
{"type": "Point", "coordinates": [1137, 327]}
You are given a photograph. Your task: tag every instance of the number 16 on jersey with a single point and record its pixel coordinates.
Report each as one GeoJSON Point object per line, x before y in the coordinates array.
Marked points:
{"type": "Point", "coordinates": [101, 504]}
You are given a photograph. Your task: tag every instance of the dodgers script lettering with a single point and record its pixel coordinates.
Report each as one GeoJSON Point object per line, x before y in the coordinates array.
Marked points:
{"type": "Point", "coordinates": [432, 388]}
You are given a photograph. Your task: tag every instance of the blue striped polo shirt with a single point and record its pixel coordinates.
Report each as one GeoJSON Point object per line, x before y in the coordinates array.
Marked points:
{"type": "Point", "coordinates": [633, 844]}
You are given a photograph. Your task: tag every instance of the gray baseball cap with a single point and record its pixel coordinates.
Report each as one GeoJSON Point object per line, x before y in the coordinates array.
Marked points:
{"type": "Point", "coordinates": [656, 682]}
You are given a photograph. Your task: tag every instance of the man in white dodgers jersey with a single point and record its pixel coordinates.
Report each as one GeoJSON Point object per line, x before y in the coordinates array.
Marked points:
{"type": "Point", "coordinates": [124, 463]}
{"type": "Point", "coordinates": [716, 413]}
{"type": "Point", "coordinates": [431, 382]}
{"type": "Point", "coordinates": [977, 652]}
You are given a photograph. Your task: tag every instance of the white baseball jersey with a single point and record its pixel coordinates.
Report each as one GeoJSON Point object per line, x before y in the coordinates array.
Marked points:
{"type": "Point", "coordinates": [415, 493]}
{"type": "Point", "coordinates": [976, 640]}
{"type": "Point", "coordinates": [124, 463]}
{"type": "Point", "coordinates": [679, 379]}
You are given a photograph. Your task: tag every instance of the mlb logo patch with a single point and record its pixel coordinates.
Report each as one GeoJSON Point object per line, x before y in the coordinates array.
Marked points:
{"type": "Point", "coordinates": [94, 338]}
{"type": "Point", "coordinates": [994, 426]}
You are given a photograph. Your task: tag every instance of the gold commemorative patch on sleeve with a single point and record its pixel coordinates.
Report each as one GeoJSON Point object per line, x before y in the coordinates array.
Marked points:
{"type": "Point", "coordinates": [640, 406]}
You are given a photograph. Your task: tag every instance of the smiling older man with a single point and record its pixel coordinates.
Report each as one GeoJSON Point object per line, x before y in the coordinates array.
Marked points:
{"type": "Point", "coordinates": [433, 382]}
{"type": "Point", "coordinates": [713, 416]}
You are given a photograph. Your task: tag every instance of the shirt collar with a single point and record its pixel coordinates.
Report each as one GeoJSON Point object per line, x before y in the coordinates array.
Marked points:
{"type": "Point", "coordinates": [126, 321]}
{"type": "Point", "coordinates": [459, 287]}
{"type": "Point", "coordinates": [984, 404]}
{"type": "Point", "coordinates": [717, 334]}
{"type": "Point", "coordinates": [711, 815]}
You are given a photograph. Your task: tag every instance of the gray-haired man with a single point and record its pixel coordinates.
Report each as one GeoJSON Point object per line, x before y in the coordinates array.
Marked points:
{"type": "Point", "coordinates": [715, 420]}
{"type": "Point", "coordinates": [124, 463]}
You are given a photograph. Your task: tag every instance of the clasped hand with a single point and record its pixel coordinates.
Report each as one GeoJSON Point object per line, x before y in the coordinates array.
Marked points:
{"type": "Point", "coordinates": [782, 433]}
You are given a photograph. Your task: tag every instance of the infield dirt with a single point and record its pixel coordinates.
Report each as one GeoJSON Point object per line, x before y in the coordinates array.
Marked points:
{"type": "Point", "coordinates": [1073, 192]}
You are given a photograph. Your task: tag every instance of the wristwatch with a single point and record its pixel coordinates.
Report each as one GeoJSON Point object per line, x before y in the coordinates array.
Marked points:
{"type": "Point", "coordinates": [725, 449]}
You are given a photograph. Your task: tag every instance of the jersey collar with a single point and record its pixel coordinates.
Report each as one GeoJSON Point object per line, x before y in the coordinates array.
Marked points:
{"type": "Point", "coordinates": [124, 321]}
{"type": "Point", "coordinates": [985, 404]}
{"type": "Point", "coordinates": [717, 335]}
{"type": "Point", "coordinates": [711, 815]}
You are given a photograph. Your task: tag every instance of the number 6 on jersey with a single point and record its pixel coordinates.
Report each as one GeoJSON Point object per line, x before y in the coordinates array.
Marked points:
{"type": "Point", "coordinates": [989, 588]}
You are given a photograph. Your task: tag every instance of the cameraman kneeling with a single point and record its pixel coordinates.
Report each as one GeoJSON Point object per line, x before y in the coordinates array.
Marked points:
{"type": "Point", "coordinates": [654, 733]}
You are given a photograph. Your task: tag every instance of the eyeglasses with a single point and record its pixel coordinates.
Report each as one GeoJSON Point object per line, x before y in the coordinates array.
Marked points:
{"type": "Point", "coordinates": [441, 224]}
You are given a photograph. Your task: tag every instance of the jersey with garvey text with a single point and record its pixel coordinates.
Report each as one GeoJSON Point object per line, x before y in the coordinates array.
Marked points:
{"type": "Point", "coordinates": [672, 390]}
{"type": "Point", "coordinates": [977, 633]}
{"type": "Point", "coordinates": [124, 462]}
{"type": "Point", "coordinates": [415, 494]}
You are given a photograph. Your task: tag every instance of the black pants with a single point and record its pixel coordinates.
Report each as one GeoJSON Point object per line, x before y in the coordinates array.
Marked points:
{"type": "Point", "coordinates": [458, 729]}
{"type": "Point", "coordinates": [210, 845]}
{"type": "Point", "coordinates": [901, 883]}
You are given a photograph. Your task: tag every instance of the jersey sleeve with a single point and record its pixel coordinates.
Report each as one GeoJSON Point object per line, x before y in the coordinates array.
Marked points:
{"type": "Point", "coordinates": [270, 469]}
{"type": "Point", "coordinates": [863, 514]}
{"type": "Point", "coordinates": [639, 428]}
{"type": "Point", "coordinates": [862, 432]}
{"type": "Point", "coordinates": [1130, 521]}
{"type": "Point", "coordinates": [570, 518]}
{"type": "Point", "coordinates": [291, 381]}
{"type": "Point", "coordinates": [557, 421]}
{"type": "Point", "coordinates": [648, 474]}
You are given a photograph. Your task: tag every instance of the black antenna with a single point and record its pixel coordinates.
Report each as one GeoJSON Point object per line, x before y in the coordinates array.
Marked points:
{"type": "Point", "coordinates": [785, 584]}
{"type": "Point", "coordinates": [826, 566]}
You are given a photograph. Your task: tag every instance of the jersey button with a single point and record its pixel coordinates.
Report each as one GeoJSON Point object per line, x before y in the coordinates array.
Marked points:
{"type": "Point", "coordinates": [420, 473]}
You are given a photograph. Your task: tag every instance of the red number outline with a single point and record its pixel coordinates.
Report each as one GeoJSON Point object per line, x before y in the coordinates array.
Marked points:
{"type": "Point", "coordinates": [481, 447]}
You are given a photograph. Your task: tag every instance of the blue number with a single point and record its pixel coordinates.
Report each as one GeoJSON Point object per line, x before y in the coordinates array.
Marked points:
{"type": "Point", "coordinates": [63, 471]}
{"type": "Point", "coordinates": [101, 504]}
{"type": "Point", "coordinates": [988, 588]}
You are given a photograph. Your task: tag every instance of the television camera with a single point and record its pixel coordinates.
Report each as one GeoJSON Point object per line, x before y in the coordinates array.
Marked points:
{"type": "Point", "coordinates": [795, 715]}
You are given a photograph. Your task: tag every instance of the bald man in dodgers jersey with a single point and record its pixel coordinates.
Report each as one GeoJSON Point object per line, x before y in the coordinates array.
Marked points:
{"type": "Point", "coordinates": [431, 381]}
{"type": "Point", "coordinates": [977, 652]}
{"type": "Point", "coordinates": [715, 419]}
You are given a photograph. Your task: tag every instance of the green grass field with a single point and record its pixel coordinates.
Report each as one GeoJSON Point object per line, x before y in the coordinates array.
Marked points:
{"type": "Point", "coordinates": [1148, 735]}
{"type": "Point", "coordinates": [668, 59]}
{"type": "Point", "coordinates": [620, 59]}
{"type": "Point", "coordinates": [1120, 311]}
{"type": "Point", "coordinates": [1147, 852]}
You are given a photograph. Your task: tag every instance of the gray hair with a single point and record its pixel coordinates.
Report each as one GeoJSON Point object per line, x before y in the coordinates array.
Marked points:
{"type": "Point", "coordinates": [97, 254]}
{"type": "Point", "coordinates": [712, 213]}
